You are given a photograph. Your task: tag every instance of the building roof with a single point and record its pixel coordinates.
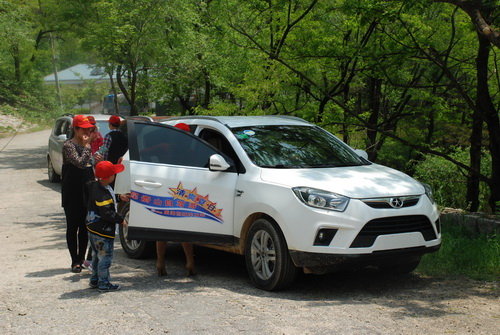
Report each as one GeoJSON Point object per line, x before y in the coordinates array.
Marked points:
{"type": "Point", "coordinates": [78, 74]}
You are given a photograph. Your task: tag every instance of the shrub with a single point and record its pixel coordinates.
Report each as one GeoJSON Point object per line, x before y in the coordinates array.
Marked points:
{"type": "Point", "coordinates": [462, 253]}
{"type": "Point", "coordinates": [448, 181]}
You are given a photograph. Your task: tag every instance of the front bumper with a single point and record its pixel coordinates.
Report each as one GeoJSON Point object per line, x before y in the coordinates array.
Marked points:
{"type": "Point", "coordinates": [324, 262]}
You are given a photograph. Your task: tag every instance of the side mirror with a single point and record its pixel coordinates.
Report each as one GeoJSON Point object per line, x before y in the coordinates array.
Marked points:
{"type": "Point", "coordinates": [218, 163]}
{"type": "Point", "coordinates": [62, 137]}
{"type": "Point", "coordinates": [361, 153]}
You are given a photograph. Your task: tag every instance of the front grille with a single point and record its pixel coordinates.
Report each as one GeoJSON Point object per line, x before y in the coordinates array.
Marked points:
{"type": "Point", "coordinates": [386, 202]}
{"type": "Point", "coordinates": [393, 225]}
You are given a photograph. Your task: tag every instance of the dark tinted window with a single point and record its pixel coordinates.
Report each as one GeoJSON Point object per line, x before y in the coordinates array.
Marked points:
{"type": "Point", "coordinates": [295, 147]}
{"type": "Point", "coordinates": [59, 127]}
{"type": "Point", "coordinates": [169, 145]}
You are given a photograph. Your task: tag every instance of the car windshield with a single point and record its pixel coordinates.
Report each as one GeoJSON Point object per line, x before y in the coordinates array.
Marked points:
{"type": "Point", "coordinates": [289, 147]}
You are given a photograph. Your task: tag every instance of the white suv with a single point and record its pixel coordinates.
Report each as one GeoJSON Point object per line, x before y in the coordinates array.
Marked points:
{"type": "Point", "coordinates": [283, 192]}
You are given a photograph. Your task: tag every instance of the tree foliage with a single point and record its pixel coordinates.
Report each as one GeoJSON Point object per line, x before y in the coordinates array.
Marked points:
{"type": "Point", "coordinates": [402, 79]}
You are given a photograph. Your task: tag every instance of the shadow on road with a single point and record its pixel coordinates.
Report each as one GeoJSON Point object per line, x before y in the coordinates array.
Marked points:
{"type": "Point", "coordinates": [54, 222]}
{"type": "Point", "coordinates": [21, 159]}
{"type": "Point", "coordinates": [408, 296]}
{"type": "Point", "coordinates": [53, 186]}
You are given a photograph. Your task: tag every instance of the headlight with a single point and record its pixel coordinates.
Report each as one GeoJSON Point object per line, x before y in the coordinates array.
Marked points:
{"type": "Point", "coordinates": [321, 199]}
{"type": "Point", "coordinates": [428, 191]}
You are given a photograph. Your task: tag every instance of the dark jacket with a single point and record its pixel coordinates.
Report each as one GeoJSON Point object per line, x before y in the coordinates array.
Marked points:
{"type": "Point", "coordinates": [101, 215]}
{"type": "Point", "coordinates": [118, 147]}
{"type": "Point", "coordinates": [76, 172]}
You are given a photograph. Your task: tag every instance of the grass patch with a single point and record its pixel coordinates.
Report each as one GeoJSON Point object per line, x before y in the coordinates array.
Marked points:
{"type": "Point", "coordinates": [464, 253]}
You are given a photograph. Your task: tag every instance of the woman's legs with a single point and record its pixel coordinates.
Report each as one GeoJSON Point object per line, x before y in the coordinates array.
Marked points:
{"type": "Point", "coordinates": [76, 233]}
{"type": "Point", "coordinates": [189, 253]}
{"type": "Point", "coordinates": [161, 247]}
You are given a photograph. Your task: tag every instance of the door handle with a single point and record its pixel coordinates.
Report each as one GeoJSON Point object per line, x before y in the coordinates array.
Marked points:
{"type": "Point", "coordinates": [145, 183]}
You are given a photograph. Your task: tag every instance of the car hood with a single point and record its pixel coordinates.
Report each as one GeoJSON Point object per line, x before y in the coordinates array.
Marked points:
{"type": "Point", "coordinates": [366, 181]}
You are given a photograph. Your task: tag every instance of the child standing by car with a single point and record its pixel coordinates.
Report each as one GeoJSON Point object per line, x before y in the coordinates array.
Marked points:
{"type": "Point", "coordinates": [101, 220]}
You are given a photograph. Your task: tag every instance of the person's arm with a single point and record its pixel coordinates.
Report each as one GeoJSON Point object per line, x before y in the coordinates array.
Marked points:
{"type": "Point", "coordinates": [106, 208]}
{"type": "Point", "coordinates": [72, 156]}
{"type": "Point", "coordinates": [105, 146]}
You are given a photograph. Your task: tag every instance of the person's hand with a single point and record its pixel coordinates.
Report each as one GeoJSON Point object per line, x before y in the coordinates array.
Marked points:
{"type": "Point", "coordinates": [125, 197]}
{"type": "Point", "coordinates": [98, 157]}
{"type": "Point", "coordinates": [124, 223]}
{"type": "Point", "coordinates": [86, 140]}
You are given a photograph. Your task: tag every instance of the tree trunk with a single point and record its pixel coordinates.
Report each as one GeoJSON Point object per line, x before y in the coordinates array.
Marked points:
{"type": "Point", "coordinates": [490, 116]}
{"type": "Point", "coordinates": [113, 89]}
{"type": "Point", "coordinates": [17, 64]}
{"type": "Point", "coordinates": [374, 95]}
{"type": "Point", "coordinates": [206, 98]}
{"type": "Point", "coordinates": [476, 138]}
{"type": "Point", "coordinates": [321, 109]}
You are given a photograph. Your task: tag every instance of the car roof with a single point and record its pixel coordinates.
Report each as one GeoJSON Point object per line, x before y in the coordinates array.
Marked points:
{"type": "Point", "coordinates": [247, 121]}
{"type": "Point", "coordinates": [97, 117]}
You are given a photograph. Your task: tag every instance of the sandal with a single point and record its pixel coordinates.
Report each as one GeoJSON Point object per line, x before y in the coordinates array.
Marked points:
{"type": "Point", "coordinates": [76, 268]}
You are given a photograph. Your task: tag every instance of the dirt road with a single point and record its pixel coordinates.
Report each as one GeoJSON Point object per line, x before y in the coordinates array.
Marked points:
{"type": "Point", "coordinates": [39, 295]}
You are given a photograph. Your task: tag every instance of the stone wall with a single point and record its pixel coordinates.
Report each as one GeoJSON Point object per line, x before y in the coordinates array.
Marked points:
{"type": "Point", "coordinates": [475, 222]}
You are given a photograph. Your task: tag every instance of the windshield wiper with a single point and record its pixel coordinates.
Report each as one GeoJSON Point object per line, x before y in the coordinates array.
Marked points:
{"type": "Point", "coordinates": [331, 165]}
{"type": "Point", "coordinates": [281, 166]}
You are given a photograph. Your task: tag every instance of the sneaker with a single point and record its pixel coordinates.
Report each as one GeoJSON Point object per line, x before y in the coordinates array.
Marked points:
{"type": "Point", "coordinates": [76, 268]}
{"type": "Point", "coordinates": [93, 284]}
{"type": "Point", "coordinates": [109, 288]}
{"type": "Point", "coordinates": [87, 265]}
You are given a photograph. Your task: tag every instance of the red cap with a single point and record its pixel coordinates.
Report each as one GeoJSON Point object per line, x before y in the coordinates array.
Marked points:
{"type": "Point", "coordinates": [91, 119]}
{"type": "Point", "coordinates": [106, 169]}
{"type": "Point", "coordinates": [115, 120]}
{"type": "Point", "coordinates": [81, 121]}
{"type": "Point", "coordinates": [183, 126]}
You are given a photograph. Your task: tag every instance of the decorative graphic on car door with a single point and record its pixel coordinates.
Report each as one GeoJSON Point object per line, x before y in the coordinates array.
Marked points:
{"type": "Point", "coordinates": [182, 203]}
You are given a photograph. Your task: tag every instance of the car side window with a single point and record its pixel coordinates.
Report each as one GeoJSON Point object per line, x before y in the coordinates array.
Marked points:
{"type": "Point", "coordinates": [65, 128]}
{"type": "Point", "coordinates": [220, 142]}
{"type": "Point", "coordinates": [58, 128]}
{"type": "Point", "coordinates": [169, 145]}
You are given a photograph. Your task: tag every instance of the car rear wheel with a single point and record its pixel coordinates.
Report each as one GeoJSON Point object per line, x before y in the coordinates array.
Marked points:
{"type": "Point", "coordinates": [267, 258]}
{"type": "Point", "coordinates": [136, 249]}
{"type": "Point", "coordinates": [53, 176]}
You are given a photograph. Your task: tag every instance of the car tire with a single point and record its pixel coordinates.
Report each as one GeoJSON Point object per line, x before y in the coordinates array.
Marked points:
{"type": "Point", "coordinates": [136, 249]}
{"type": "Point", "coordinates": [53, 176]}
{"type": "Point", "coordinates": [400, 268]}
{"type": "Point", "coordinates": [267, 258]}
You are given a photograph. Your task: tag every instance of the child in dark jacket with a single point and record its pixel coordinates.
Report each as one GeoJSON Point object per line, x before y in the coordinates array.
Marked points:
{"type": "Point", "coordinates": [102, 217]}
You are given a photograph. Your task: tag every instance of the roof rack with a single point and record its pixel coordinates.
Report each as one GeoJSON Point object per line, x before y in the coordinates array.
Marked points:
{"type": "Point", "coordinates": [140, 118]}
{"type": "Point", "coordinates": [187, 117]}
{"type": "Point", "coordinates": [208, 117]}
{"type": "Point", "coordinates": [288, 117]}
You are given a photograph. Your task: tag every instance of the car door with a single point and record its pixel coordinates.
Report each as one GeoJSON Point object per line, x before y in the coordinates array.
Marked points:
{"type": "Point", "coordinates": [174, 195]}
{"type": "Point", "coordinates": [59, 136]}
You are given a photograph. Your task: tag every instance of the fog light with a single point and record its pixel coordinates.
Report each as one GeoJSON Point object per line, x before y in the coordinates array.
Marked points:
{"type": "Point", "coordinates": [324, 237]}
{"type": "Point", "coordinates": [438, 226]}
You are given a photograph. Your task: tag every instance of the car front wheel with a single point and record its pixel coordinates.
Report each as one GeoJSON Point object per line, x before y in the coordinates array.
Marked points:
{"type": "Point", "coordinates": [267, 259]}
{"type": "Point", "coordinates": [136, 249]}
